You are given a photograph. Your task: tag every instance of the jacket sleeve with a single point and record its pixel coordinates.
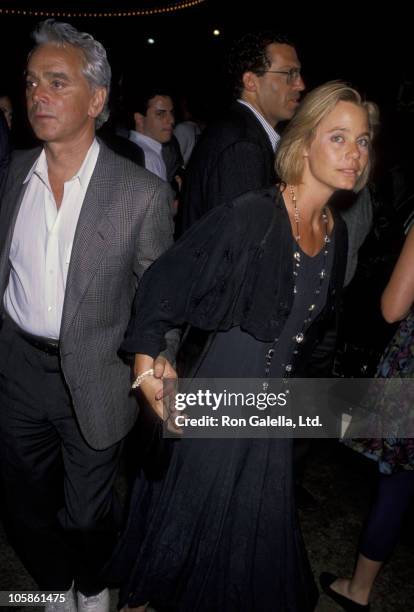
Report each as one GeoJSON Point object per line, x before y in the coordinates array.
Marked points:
{"type": "Point", "coordinates": [194, 273]}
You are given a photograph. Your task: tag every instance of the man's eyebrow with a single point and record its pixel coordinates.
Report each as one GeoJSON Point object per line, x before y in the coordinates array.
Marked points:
{"type": "Point", "coordinates": [50, 75]}
{"type": "Point", "coordinates": [57, 75]}
{"type": "Point", "coordinates": [291, 66]}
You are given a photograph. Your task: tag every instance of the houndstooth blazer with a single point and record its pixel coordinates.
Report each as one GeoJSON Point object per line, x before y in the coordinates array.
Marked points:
{"type": "Point", "coordinates": [124, 225]}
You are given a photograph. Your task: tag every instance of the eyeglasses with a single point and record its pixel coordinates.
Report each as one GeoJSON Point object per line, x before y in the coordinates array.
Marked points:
{"type": "Point", "coordinates": [292, 75]}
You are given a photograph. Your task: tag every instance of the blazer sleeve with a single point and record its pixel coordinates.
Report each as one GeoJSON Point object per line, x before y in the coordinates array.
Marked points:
{"type": "Point", "coordinates": [196, 270]}
{"type": "Point", "coordinates": [157, 228]}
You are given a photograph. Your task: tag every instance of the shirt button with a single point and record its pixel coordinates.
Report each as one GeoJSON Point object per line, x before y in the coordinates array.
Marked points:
{"type": "Point", "coordinates": [49, 308]}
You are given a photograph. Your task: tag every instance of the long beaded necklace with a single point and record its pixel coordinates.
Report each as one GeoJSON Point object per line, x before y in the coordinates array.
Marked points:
{"type": "Point", "coordinates": [299, 337]}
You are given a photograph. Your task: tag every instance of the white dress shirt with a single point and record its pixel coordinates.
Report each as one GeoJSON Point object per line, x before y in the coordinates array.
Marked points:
{"type": "Point", "coordinates": [154, 161]}
{"type": "Point", "coordinates": [42, 245]}
{"type": "Point", "coordinates": [274, 137]}
{"type": "Point", "coordinates": [187, 133]}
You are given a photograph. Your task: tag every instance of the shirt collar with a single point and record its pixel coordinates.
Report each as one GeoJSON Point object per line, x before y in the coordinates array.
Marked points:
{"type": "Point", "coordinates": [142, 139]}
{"type": "Point", "coordinates": [83, 174]}
{"type": "Point", "coordinates": [274, 137]}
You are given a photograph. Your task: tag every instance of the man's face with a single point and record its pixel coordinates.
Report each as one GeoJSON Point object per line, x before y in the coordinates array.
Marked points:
{"type": "Point", "coordinates": [274, 96]}
{"type": "Point", "coordinates": [61, 105]}
{"type": "Point", "coordinates": [158, 122]}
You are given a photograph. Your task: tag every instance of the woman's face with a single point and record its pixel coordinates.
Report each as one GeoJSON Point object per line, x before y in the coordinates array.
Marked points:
{"type": "Point", "coordinates": [340, 149]}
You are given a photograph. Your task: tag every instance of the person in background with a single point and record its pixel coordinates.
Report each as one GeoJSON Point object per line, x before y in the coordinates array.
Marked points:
{"type": "Point", "coordinates": [153, 117]}
{"type": "Point", "coordinates": [7, 107]}
{"type": "Point", "coordinates": [4, 148]}
{"type": "Point", "coordinates": [395, 456]}
{"type": "Point", "coordinates": [188, 129]}
{"type": "Point", "coordinates": [236, 153]}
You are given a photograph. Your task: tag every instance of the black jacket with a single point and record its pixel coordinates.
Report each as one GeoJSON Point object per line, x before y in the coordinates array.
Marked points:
{"type": "Point", "coordinates": [4, 148]}
{"type": "Point", "coordinates": [234, 267]}
{"type": "Point", "coordinates": [232, 156]}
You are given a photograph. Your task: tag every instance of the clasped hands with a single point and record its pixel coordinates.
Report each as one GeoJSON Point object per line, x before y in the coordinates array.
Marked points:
{"type": "Point", "coordinates": [157, 392]}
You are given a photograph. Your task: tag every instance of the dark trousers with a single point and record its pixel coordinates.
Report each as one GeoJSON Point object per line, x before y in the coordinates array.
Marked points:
{"type": "Point", "coordinates": [61, 515]}
{"type": "Point", "coordinates": [382, 528]}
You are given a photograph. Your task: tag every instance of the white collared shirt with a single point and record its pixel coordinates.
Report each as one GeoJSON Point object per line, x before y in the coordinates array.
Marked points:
{"type": "Point", "coordinates": [41, 247]}
{"type": "Point", "coordinates": [274, 137]}
{"type": "Point", "coordinates": [154, 161]}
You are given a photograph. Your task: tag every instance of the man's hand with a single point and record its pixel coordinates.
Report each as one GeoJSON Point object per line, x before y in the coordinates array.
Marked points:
{"type": "Point", "coordinates": [163, 369]}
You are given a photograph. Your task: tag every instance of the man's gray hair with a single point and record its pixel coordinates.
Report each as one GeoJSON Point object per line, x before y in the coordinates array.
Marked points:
{"type": "Point", "coordinates": [96, 69]}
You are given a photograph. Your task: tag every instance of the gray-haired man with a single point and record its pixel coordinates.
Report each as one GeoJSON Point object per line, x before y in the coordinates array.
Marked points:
{"type": "Point", "coordinates": [79, 225]}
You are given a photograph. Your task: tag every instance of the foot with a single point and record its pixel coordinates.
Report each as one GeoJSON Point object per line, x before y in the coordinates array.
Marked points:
{"type": "Point", "coordinates": [67, 605]}
{"type": "Point", "coordinates": [343, 586]}
{"type": "Point", "coordinates": [94, 603]}
{"type": "Point", "coordinates": [339, 590]}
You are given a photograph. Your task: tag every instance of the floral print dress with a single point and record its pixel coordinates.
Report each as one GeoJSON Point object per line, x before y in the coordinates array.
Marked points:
{"type": "Point", "coordinates": [393, 454]}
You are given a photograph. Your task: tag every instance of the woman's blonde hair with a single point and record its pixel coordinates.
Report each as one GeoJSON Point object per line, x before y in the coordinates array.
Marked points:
{"type": "Point", "coordinates": [301, 130]}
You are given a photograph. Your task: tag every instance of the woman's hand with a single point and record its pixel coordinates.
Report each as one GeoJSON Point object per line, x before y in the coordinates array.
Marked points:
{"type": "Point", "coordinates": [158, 387]}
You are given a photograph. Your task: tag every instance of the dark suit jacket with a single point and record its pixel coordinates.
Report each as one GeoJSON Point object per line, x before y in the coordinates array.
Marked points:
{"type": "Point", "coordinates": [124, 147]}
{"type": "Point", "coordinates": [124, 225]}
{"type": "Point", "coordinates": [232, 156]}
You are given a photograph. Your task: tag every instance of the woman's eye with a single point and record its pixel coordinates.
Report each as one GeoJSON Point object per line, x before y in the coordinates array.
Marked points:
{"type": "Point", "coordinates": [364, 142]}
{"type": "Point", "coordinates": [337, 138]}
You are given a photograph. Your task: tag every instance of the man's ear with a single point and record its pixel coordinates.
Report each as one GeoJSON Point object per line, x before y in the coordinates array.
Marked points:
{"type": "Point", "coordinates": [98, 101]}
{"type": "Point", "coordinates": [139, 122]}
{"type": "Point", "coordinates": [250, 81]}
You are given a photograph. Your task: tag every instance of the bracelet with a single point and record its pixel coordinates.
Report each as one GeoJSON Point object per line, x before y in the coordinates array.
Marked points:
{"type": "Point", "coordinates": [141, 377]}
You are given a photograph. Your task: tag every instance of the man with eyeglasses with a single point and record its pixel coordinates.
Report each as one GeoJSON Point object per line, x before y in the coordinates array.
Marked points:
{"type": "Point", "coordinates": [236, 153]}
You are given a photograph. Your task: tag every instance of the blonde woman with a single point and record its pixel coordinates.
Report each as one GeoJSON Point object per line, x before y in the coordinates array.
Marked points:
{"type": "Point", "coordinates": [263, 274]}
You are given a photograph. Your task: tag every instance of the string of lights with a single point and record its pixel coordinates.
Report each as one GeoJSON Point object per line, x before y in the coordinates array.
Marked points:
{"type": "Point", "coordinates": [128, 13]}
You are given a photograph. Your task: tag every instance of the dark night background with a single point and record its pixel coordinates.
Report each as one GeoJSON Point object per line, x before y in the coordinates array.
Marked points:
{"type": "Point", "coordinates": [364, 43]}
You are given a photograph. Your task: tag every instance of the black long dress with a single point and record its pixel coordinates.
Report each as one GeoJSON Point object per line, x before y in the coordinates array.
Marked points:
{"type": "Point", "coordinates": [219, 530]}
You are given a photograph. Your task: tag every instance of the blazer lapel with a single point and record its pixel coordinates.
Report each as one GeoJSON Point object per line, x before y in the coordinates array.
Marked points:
{"type": "Point", "coordinates": [93, 231]}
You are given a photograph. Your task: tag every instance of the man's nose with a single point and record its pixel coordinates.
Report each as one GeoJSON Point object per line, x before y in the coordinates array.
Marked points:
{"type": "Point", "coordinates": [38, 93]}
{"type": "Point", "coordinates": [299, 84]}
